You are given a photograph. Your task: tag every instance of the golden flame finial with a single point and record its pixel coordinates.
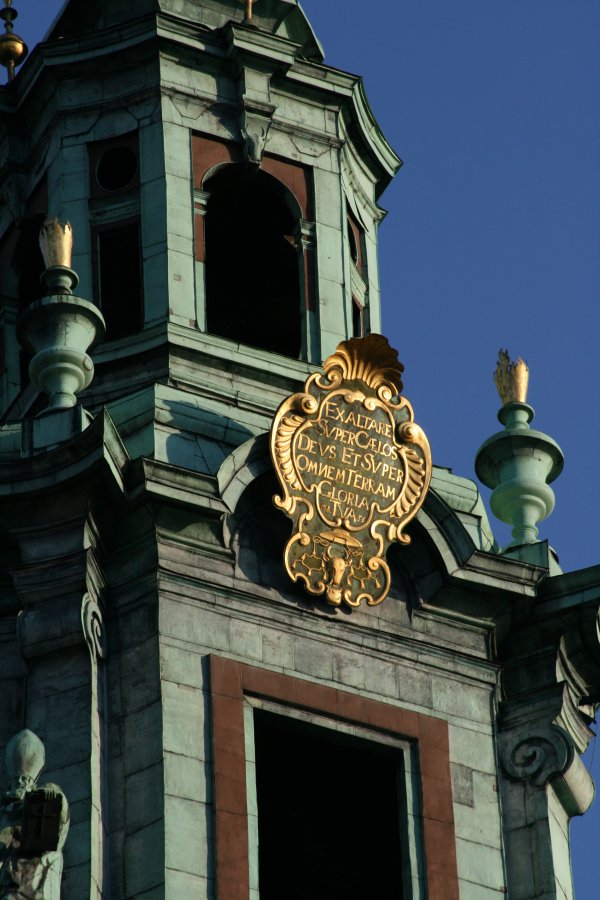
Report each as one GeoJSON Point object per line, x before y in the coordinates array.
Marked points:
{"type": "Point", "coordinates": [13, 49]}
{"type": "Point", "coordinates": [511, 379]}
{"type": "Point", "coordinates": [56, 243]}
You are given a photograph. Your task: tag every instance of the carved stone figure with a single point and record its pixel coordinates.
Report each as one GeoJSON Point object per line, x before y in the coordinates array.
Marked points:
{"type": "Point", "coordinates": [34, 822]}
{"type": "Point", "coordinates": [255, 132]}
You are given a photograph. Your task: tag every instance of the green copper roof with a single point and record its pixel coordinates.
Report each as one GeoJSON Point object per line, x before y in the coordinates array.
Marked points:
{"type": "Point", "coordinates": [285, 18]}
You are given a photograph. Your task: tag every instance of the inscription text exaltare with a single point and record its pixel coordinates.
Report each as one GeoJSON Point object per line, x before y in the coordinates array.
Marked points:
{"type": "Point", "coordinates": [348, 458]}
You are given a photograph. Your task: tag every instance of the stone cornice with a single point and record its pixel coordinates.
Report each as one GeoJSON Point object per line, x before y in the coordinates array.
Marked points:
{"type": "Point", "coordinates": [562, 622]}
{"type": "Point", "coordinates": [472, 585]}
{"type": "Point", "coordinates": [98, 446]}
{"type": "Point", "coordinates": [464, 562]}
{"type": "Point", "coordinates": [236, 43]}
{"type": "Point", "coordinates": [90, 46]}
{"type": "Point", "coordinates": [569, 591]}
{"type": "Point", "coordinates": [181, 486]}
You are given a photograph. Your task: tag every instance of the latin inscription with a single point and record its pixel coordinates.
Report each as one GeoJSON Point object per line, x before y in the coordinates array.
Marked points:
{"type": "Point", "coordinates": [348, 456]}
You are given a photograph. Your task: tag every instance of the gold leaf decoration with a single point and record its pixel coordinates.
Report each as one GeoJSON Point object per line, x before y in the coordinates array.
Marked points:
{"type": "Point", "coordinates": [283, 441]}
{"type": "Point", "coordinates": [354, 469]}
{"type": "Point", "coordinates": [415, 480]}
{"type": "Point", "coordinates": [380, 367]}
{"type": "Point", "coordinates": [511, 379]}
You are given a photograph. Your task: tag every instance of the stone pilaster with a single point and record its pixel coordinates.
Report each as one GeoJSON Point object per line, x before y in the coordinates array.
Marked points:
{"type": "Point", "coordinates": [551, 672]}
{"type": "Point", "coordinates": [60, 530]}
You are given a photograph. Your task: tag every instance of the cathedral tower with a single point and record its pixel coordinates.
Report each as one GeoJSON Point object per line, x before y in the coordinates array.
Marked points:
{"type": "Point", "coordinates": [217, 730]}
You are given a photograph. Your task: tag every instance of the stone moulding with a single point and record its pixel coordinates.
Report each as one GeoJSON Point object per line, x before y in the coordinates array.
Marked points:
{"type": "Point", "coordinates": [99, 445]}
{"type": "Point", "coordinates": [550, 687]}
{"type": "Point", "coordinates": [45, 630]}
{"type": "Point", "coordinates": [62, 611]}
{"type": "Point", "coordinates": [452, 553]}
{"type": "Point", "coordinates": [59, 508]}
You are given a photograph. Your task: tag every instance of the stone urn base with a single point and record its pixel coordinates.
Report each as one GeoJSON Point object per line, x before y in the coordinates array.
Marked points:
{"type": "Point", "coordinates": [59, 330]}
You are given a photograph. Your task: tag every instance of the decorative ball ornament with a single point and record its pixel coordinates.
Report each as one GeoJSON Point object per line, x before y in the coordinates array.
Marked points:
{"type": "Point", "coordinates": [13, 49]}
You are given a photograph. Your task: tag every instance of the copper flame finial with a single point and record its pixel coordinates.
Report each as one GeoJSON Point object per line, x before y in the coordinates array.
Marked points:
{"type": "Point", "coordinates": [511, 379]}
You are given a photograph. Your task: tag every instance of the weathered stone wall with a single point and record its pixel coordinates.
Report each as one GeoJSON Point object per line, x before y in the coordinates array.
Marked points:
{"type": "Point", "coordinates": [394, 653]}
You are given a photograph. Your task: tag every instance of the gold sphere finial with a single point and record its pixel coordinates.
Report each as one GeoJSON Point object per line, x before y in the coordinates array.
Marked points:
{"type": "Point", "coordinates": [13, 49]}
{"type": "Point", "coordinates": [511, 379]}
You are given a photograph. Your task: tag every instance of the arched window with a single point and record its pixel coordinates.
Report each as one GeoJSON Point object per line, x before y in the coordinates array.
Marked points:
{"type": "Point", "coordinates": [253, 260]}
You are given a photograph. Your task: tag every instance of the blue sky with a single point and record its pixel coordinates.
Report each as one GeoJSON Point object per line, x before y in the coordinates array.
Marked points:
{"type": "Point", "coordinates": [493, 233]}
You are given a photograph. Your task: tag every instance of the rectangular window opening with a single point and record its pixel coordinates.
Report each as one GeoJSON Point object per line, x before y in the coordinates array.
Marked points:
{"type": "Point", "coordinates": [118, 270]}
{"type": "Point", "coordinates": [358, 319]}
{"type": "Point", "coordinates": [330, 807]}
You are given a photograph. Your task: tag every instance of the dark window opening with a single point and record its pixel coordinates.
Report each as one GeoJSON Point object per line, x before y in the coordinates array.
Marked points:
{"type": "Point", "coordinates": [328, 813]}
{"type": "Point", "coordinates": [252, 261]}
{"type": "Point", "coordinates": [117, 169]}
{"type": "Point", "coordinates": [117, 251]}
{"type": "Point", "coordinates": [114, 166]}
{"type": "Point", "coordinates": [356, 240]}
{"type": "Point", "coordinates": [29, 265]}
{"type": "Point", "coordinates": [118, 273]}
{"type": "Point", "coordinates": [28, 260]}
{"type": "Point", "coordinates": [358, 319]}
{"type": "Point", "coordinates": [24, 359]}
{"type": "Point", "coordinates": [353, 244]}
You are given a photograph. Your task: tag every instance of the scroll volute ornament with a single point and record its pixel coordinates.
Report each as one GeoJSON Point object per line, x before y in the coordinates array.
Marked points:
{"type": "Point", "coordinates": [354, 469]}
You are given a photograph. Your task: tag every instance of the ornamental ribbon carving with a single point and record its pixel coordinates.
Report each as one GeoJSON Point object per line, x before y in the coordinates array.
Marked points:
{"type": "Point", "coordinates": [536, 753]}
{"type": "Point", "coordinates": [93, 627]}
{"type": "Point", "coordinates": [354, 469]}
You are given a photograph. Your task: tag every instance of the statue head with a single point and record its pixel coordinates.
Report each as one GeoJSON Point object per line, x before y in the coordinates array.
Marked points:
{"type": "Point", "coordinates": [24, 757]}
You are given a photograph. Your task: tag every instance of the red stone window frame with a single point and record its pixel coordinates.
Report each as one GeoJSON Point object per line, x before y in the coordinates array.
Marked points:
{"type": "Point", "coordinates": [209, 152]}
{"type": "Point", "coordinates": [231, 681]}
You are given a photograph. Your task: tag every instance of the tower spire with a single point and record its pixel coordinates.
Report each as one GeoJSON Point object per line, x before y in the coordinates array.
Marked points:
{"type": "Point", "coordinates": [13, 49]}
